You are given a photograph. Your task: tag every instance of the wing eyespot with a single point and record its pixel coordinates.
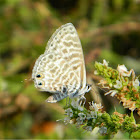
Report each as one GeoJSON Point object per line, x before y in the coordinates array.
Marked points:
{"type": "Point", "coordinates": [39, 76]}
{"type": "Point", "coordinates": [40, 84]}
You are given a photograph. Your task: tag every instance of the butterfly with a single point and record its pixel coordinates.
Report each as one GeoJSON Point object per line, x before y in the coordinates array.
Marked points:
{"type": "Point", "coordinates": [61, 69]}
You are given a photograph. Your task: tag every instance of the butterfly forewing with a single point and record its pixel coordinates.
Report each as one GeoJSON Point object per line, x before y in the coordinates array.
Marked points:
{"type": "Point", "coordinates": [62, 64]}
{"type": "Point", "coordinates": [66, 43]}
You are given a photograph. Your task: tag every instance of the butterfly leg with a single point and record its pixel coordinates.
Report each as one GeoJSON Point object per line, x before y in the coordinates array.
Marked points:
{"type": "Point", "coordinates": [82, 101]}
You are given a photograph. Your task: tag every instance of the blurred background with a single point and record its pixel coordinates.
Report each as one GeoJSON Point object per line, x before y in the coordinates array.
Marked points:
{"type": "Point", "coordinates": [108, 29]}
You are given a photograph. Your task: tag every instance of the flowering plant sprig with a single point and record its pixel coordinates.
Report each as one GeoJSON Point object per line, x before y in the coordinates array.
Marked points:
{"type": "Point", "coordinates": [121, 83]}
{"type": "Point", "coordinates": [93, 117]}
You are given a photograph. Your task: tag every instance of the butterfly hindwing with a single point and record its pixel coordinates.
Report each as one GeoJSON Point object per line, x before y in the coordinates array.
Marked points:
{"type": "Point", "coordinates": [62, 64]}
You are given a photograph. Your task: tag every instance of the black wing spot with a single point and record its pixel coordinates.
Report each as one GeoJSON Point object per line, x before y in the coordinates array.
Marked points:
{"type": "Point", "coordinates": [64, 89]}
{"type": "Point", "coordinates": [40, 83]}
{"type": "Point", "coordinates": [38, 75]}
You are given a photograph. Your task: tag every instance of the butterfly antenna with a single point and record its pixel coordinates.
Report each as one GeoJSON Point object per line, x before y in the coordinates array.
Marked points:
{"type": "Point", "coordinates": [30, 79]}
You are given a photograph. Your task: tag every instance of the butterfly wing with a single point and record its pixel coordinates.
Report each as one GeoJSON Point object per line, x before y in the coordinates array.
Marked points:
{"type": "Point", "coordinates": [62, 65]}
{"type": "Point", "coordinates": [52, 73]}
{"type": "Point", "coordinates": [65, 41]}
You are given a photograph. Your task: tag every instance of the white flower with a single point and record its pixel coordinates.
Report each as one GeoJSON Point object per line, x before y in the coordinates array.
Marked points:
{"type": "Point", "coordinates": [118, 84]}
{"type": "Point", "coordinates": [105, 63]}
{"type": "Point", "coordinates": [122, 68]}
{"type": "Point", "coordinates": [123, 71]}
{"type": "Point", "coordinates": [69, 112]}
{"type": "Point", "coordinates": [81, 118]}
{"type": "Point", "coordinates": [95, 106]}
{"type": "Point", "coordinates": [102, 130]}
{"type": "Point", "coordinates": [76, 105]}
{"type": "Point", "coordinates": [99, 106]}
{"type": "Point", "coordinates": [112, 92]}
{"type": "Point", "coordinates": [136, 83]}
{"type": "Point", "coordinates": [92, 115]}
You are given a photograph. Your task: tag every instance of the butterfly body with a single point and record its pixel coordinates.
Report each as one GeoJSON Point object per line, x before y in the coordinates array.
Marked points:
{"type": "Point", "coordinates": [61, 69]}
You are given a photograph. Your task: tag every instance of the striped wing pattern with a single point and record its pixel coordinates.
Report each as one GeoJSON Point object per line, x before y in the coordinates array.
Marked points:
{"type": "Point", "coordinates": [61, 69]}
